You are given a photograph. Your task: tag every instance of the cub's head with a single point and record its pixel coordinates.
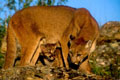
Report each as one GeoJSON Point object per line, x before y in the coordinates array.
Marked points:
{"type": "Point", "coordinates": [48, 51]}
{"type": "Point", "coordinates": [79, 50]}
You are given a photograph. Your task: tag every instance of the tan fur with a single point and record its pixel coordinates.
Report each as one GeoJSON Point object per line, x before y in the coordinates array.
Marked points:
{"type": "Point", "coordinates": [55, 24]}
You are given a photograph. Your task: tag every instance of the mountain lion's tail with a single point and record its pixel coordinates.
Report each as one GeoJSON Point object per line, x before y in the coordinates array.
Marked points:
{"type": "Point", "coordinates": [11, 48]}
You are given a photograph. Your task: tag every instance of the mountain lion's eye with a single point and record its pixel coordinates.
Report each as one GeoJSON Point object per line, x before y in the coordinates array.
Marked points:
{"type": "Point", "coordinates": [72, 37]}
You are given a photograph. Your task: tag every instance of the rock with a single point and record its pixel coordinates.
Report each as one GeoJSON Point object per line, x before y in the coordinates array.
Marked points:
{"type": "Point", "coordinates": [110, 30]}
{"type": "Point", "coordinates": [106, 58]}
{"type": "Point", "coordinates": [4, 45]}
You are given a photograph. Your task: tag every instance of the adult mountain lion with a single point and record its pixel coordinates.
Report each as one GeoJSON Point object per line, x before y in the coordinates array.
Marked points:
{"type": "Point", "coordinates": [56, 24]}
{"type": "Point", "coordinates": [85, 41]}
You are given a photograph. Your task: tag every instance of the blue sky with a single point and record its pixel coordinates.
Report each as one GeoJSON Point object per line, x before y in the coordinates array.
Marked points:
{"type": "Point", "coordinates": [102, 10]}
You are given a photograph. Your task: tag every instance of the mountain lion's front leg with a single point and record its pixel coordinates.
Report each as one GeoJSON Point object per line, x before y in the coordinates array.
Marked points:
{"type": "Point", "coordinates": [65, 51]}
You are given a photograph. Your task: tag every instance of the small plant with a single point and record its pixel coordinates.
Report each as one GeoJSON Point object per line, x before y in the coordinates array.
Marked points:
{"type": "Point", "coordinates": [1, 60]}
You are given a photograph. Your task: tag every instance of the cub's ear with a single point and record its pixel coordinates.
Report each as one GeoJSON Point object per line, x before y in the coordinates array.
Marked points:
{"type": "Point", "coordinates": [72, 37]}
{"type": "Point", "coordinates": [43, 41]}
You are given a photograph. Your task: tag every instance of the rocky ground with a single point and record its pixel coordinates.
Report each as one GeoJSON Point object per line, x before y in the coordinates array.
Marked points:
{"type": "Point", "coordinates": [105, 62]}
{"type": "Point", "coordinates": [46, 73]}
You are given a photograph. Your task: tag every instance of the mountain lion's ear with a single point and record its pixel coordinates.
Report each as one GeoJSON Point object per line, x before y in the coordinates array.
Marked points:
{"type": "Point", "coordinates": [43, 41]}
{"type": "Point", "coordinates": [88, 44]}
{"type": "Point", "coordinates": [72, 37]}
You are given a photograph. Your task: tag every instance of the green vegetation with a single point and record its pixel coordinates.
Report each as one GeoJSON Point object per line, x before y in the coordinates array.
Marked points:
{"type": "Point", "coordinates": [110, 71]}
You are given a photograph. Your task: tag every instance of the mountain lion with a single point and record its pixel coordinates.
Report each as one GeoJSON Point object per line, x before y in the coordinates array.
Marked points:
{"type": "Point", "coordinates": [85, 42]}
{"type": "Point", "coordinates": [54, 23]}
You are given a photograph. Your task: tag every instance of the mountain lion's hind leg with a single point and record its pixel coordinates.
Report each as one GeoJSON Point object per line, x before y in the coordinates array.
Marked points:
{"type": "Point", "coordinates": [28, 51]}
